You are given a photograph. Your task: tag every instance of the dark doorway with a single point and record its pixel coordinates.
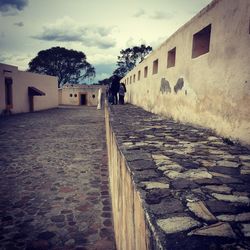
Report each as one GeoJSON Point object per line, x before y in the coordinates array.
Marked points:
{"type": "Point", "coordinates": [83, 100]}
{"type": "Point", "coordinates": [8, 93]}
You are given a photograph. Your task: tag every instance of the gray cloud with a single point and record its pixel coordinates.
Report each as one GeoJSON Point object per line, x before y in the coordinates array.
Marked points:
{"type": "Point", "coordinates": [11, 7]}
{"type": "Point", "coordinates": [161, 15]}
{"type": "Point", "coordinates": [155, 15]}
{"type": "Point", "coordinates": [67, 30]}
{"type": "Point", "coordinates": [19, 24]}
{"type": "Point", "coordinates": [139, 13]}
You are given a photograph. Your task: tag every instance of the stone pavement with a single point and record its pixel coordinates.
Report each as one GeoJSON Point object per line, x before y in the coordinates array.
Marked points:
{"type": "Point", "coordinates": [54, 181]}
{"type": "Point", "coordinates": [194, 184]}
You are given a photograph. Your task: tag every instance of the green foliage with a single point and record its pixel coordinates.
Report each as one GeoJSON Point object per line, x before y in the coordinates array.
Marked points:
{"type": "Point", "coordinates": [129, 58]}
{"type": "Point", "coordinates": [70, 66]}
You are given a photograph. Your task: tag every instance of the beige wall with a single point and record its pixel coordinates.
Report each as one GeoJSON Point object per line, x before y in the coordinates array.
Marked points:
{"type": "Point", "coordinates": [21, 81]}
{"type": "Point", "coordinates": [216, 90]}
{"type": "Point", "coordinates": [90, 91]}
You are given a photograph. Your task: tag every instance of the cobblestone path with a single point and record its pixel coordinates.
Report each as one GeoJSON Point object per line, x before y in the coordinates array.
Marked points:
{"type": "Point", "coordinates": [54, 181]}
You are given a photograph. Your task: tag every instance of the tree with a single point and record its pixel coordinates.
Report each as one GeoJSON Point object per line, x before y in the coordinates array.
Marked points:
{"type": "Point", "coordinates": [70, 66]}
{"type": "Point", "coordinates": [129, 58]}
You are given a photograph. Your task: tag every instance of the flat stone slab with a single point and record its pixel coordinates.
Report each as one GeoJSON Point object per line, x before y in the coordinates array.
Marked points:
{"type": "Point", "coordinates": [177, 224]}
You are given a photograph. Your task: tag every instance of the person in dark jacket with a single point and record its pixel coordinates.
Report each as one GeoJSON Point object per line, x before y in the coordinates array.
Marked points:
{"type": "Point", "coordinates": [122, 91]}
{"type": "Point", "coordinates": [114, 88]}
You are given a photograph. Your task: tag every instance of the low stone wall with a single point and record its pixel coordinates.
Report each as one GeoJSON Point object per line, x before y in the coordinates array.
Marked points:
{"type": "Point", "coordinates": [175, 186]}
{"type": "Point", "coordinates": [128, 215]}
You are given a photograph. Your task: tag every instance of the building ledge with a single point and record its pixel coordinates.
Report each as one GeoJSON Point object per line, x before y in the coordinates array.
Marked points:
{"type": "Point", "coordinates": [193, 186]}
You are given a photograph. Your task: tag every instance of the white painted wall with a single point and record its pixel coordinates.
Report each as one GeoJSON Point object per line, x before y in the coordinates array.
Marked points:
{"type": "Point", "coordinates": [216, 91]}
{"type": "Point", "coordinates": [91, 92]}
{"type": "Point", "coordinates": [21, 81]}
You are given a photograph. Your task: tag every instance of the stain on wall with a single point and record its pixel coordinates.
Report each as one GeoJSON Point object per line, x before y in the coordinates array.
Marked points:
{"type": "Point", "coordinates": [165, 86]}
{"type": "Point", "coordinates": [179, 85]}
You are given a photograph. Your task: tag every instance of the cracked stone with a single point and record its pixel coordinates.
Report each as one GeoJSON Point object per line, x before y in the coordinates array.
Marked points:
{"type": "Point", "coordinates": [193, 174]}
{"type": "Point", "coordinates": [228, 164]}
{"type": "Point", "coordinates": [183, 183]}
{"type": "Point", "coordinates": [245, 157]}
{"type": "Point", "coordinates": [168, 206]}
{"type": "Point", "coordinates": [177, 224]}
{"type": "Point", "coordinates": [151, 185]}
{"type": "Point", "coordinates": [46, 235]}
{"type": "Point", "coordinates": [219, 188]}
{"type": "Point", "coordinates": [172, 166]}
{"type": "Point", "coordinates": [246, 229]}
{"type": "Point", "coordinates": [231, 198]}
{"type": "Point", "coordinates": [219, 229]}
{"type": "Point", "coordinates": [161, 159]}
{"type": "Point", "coordinates": [155, 196]}
{"type": "Point", "coordinates": [232, 217]}
{"type": "Point", "coordinates": [201, 211]}
{"type": "Point", "coordinates": [58, 218]}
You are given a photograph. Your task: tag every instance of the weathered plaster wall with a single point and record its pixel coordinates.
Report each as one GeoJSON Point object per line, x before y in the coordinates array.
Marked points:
{"type": "Point", "coordinates": [21, 81]}
{"type": "Point", "coordinates": [71, 95]}
{"type": "Point", "coordinates": [212, 90]}
{"type": "Point", "coordinates": [130, 228]}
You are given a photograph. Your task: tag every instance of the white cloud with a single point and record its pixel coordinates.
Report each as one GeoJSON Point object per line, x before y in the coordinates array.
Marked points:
{"type": "Point", "coordinates": [131, 42]}
{"type": "Point", "coordinates": [68, 30]}
{"type": "Point", "coordinates": [102, 58]}
{"type": "Point", "coordinates": [19, 60]}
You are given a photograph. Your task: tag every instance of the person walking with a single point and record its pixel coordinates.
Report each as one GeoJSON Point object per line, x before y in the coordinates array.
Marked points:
{"type": "Point", "coordinates": [114, 88]}
{"type": "Point", "coordinates": [122, 91]}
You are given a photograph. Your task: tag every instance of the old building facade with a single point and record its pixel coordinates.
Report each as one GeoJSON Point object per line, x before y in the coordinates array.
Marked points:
{"type": "Point", "coordinates": [79, 94]}
{"type": "Point", "coordinates": [22, 91]}
{"type": "Point", "coordinates": [201, 73]}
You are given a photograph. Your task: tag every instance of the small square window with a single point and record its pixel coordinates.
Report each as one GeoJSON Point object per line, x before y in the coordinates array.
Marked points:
{"type": "Point", "coordinates": [145, 71]}
{"type": "Point", "coordinates": [201, 42]}
{"type": "Point", "coordinates": [75, 95]}
{"type": "Point", "coordinates": [134, 78]}
{"type": "Point", "coordinates": [70, 95]}
{"type": "Point", "coordinates": [171, 58]}
{"type": "Point", "coordinates": [130, 79]}
{"type": "Point", "coordinates": [155, 66]}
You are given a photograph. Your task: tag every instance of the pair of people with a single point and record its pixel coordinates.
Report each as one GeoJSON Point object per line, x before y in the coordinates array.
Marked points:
{"type": "Point", "coordinates": [117, 88]}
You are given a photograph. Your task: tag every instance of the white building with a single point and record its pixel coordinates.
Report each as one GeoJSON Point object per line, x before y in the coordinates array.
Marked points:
{"type": "Point", "coordinates": [201, 74]}
{"type": "Point", "coordinates": [22, 91]}
{"type": "Point", "coordinates": [80, 94]}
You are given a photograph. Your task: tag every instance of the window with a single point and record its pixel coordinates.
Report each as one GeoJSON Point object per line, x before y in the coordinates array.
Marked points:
{"type": "Point", "coordinates": [75, 95]}
{"type": "Point", "coordinates": [127, 80]}
{"type": "Point", "coordinates": [70, 95]}
{"type": "Point", "coordinates": [134, 78]}
{"type": "Point", "coordinates": [155, 66]}
{"type": "Point", "coordinates": [8, 92]}
{"type": "Point", "coordinates": [130, 79]}
{"type": "Point", "coordinates": [171, 58]}
{"type": "Point", "coordinates": [139, 75]}
{"type": "Point", "coordinates": [201, 42]}
{"type": "Point", "coordinates": [145, 71]}
{"type": "Point", "coordinates": [93, 96]}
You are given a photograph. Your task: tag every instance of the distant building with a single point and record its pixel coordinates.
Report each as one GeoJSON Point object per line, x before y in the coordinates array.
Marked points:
{"type": "Point", "coordinates": [201, 73]}
{"type": "Point", "coordinates": [79, 94]}
{"type": "Point", "coordinates": [22, 91]}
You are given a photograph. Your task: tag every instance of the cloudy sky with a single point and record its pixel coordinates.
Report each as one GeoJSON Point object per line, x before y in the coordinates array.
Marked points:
{"type": "Point", "coordinates": [99, 28]}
